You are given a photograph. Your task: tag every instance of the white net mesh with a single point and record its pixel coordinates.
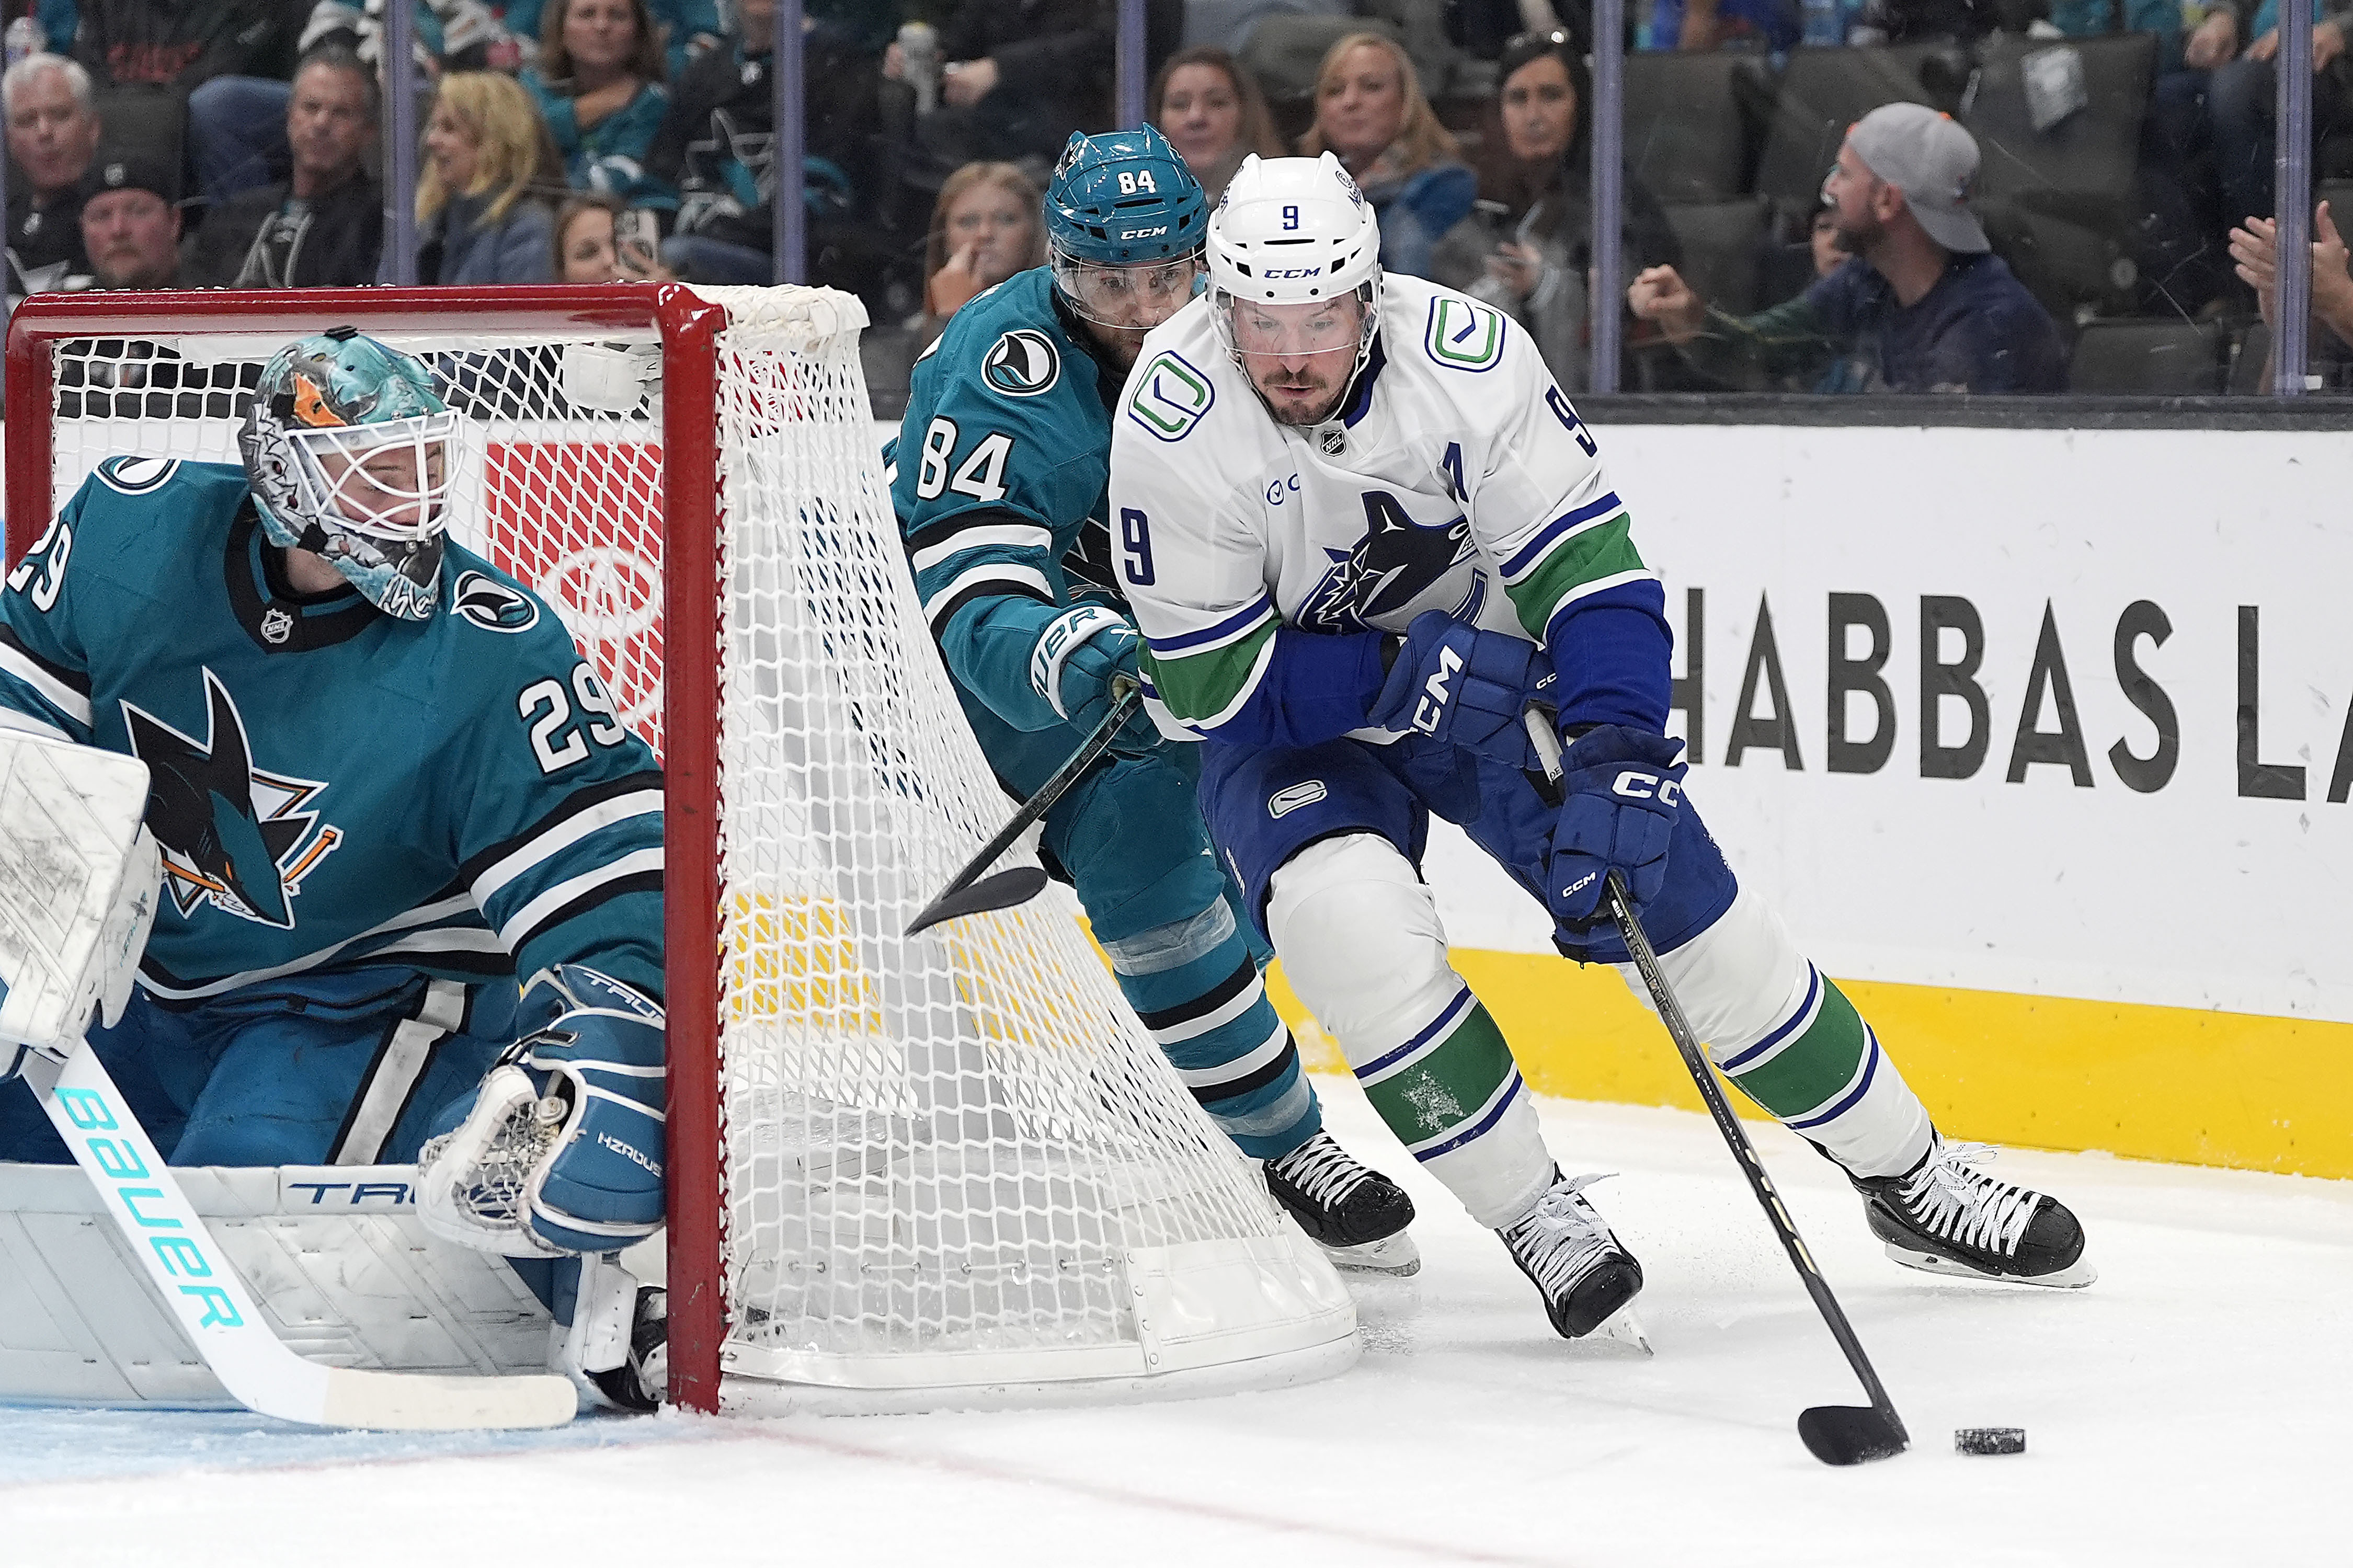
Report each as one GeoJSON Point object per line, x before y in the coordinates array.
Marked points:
{"type": "Point", "coordinates": [948, 1162]}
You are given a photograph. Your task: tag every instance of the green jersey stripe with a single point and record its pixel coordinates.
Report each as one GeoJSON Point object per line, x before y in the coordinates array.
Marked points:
{"type": "Point", "coordinates": [1204, 690]}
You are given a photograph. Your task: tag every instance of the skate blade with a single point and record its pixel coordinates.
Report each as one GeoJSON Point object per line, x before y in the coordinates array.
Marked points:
{"type": "Point", "coordinates": [1392, 1255]}
{"type": "Point", "coordinates": [2074, 1276]}
{"type": "Point", "coordinates": [1622, 1327]}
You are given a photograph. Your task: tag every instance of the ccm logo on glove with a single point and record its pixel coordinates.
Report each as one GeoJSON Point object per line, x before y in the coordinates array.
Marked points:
{"type": "Point", "coordinates": [1431, 711]}
{"type": "Point", "coordinates": [1646, 786]}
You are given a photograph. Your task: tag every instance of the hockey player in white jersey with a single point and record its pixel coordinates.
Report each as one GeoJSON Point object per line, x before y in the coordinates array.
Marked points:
{"type": "Point", "coordinates": [1362, 531]}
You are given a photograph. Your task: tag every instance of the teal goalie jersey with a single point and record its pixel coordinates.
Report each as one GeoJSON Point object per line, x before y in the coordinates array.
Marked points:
{"type": "Point", "coordinates": [332, 787]}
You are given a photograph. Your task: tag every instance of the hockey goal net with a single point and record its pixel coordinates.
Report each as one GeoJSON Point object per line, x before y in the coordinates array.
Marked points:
{"type": "Point", "coordinates": [904, 1173]}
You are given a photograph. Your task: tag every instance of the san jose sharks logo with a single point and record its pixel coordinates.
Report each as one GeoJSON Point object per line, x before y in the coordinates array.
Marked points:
{"type": "Point", "coordinates": [231, 833]}
{"type": "Point", "coordinates": [1395, 563]}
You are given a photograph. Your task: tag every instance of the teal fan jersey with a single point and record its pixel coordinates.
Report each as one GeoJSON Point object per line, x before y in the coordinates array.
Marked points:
{"type": "Point", "coordinates": [1003, 461]}
{"type": "Point", "coordinates": [332, 787]}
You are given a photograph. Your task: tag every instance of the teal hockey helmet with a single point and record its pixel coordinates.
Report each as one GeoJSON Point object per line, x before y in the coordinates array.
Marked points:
{"type": "Point", "coordinates": [1125, 223]}
{"type": "Point", "coordinates": [350, 453]}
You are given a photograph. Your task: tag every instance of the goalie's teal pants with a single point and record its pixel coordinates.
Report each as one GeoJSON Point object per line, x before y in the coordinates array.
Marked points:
{"type": "Point", "coordinates": [1128, 837]}
{"type": "Point", "coordinates": [353, 1068]}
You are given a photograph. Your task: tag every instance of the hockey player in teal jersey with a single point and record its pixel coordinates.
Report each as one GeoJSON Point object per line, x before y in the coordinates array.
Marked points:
{"type": "Point", "coordinates": [384, 785]}
{"type": "Point", "coordinates": [1001, 471]}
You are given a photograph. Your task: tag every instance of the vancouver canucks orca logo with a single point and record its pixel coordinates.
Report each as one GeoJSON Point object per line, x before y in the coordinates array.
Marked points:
{"type": "Point", "coordinates": [231, 833]}
{"type": "Point", "coordinates": [1023, 363]}
{"type": "Point", "coordinates": [493, 605]}
{"type": "Point", "coordinates": [1395, 562]}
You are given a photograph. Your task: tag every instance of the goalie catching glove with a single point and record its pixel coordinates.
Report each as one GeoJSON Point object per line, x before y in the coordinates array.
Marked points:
{"type": "Point", "coordinates": [1084, 662]}
{"type": "Point", "coordinates": [562, 1151]}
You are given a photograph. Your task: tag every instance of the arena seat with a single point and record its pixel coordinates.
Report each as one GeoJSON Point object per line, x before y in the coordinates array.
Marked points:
{"type": "Point", "coordinates": [2149, 357]}
{"type": "Point", "coordinates": [1684, 133]}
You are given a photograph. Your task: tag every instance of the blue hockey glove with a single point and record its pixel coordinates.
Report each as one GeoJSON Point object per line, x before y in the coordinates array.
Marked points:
{"type": "Point", "coordinates": [1083, 663]}
{"type": "Point", "coordinates": [562, 1150]}
{"type": "Point", "coordinates": [1621, 788]}
{"type": "Point", "coordinates": [1455, 683]}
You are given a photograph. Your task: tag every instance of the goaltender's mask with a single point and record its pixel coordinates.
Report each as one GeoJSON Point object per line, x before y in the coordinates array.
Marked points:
{"type": "Point", "coordinates": [350, 452]}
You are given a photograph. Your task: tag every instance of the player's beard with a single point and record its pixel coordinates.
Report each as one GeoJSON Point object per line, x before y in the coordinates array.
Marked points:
{"type": "Point", "coordinates": [1303, 395]}
{"type": "Point", "coordinates": [1857, 238]}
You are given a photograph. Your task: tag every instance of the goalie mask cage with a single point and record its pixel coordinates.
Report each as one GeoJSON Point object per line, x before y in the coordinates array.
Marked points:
{"type": "Point", "coordinates": [950, 1170]}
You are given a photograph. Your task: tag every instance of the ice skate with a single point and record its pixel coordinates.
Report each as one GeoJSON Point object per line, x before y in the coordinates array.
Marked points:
{"type": "Point", "coordinates": [1587, 1277]}
{"type": "Point", "coordinates": [1357, 1215]}
{"type": "Point", "coordinates": [1946, 1216]}
{"type": "Point", "coordinates": [642, 1382]}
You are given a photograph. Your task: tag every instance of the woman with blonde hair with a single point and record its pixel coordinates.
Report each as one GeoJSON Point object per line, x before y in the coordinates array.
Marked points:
{"type": "Point", "coordinates": [988, 224]}
{"type": "Point", "coordinates": [480, 215]}
{"type": "Point", "coordinates": [1213, 114]}
{"type": "Point", "coordinates": [1371, 114]}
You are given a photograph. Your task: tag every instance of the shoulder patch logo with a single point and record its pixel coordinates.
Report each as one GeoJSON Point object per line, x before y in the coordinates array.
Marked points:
{"type": "Point", "coordinates": [137, 476]}
{"type": "Point", "coordinates": [1023, 363]}
{"type": "Point", "coordinates": [493, 605]}
{"type": "Point", "coordinates": [1170, 397]}
{"type": "Point", "coordinates": [1463, 335]}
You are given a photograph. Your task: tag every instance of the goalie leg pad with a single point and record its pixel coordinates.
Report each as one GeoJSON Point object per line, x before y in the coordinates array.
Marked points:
{"type": "Point", "coordinates": [1362, 945]}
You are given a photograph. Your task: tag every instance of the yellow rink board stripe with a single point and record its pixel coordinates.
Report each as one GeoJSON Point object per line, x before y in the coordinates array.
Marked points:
{"type": "Point", "coordinates": [2151, 1083]}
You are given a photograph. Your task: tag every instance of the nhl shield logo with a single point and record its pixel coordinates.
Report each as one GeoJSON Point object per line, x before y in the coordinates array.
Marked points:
{"type": "Point", "coordinates": [1023, 363]}
{"type": "Point", "coordinates": [277, 626]}
{"type": "Point", "coordinates": [493, 605]}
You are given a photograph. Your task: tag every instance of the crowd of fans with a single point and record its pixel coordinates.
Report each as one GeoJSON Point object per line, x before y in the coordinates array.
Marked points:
{"type": "Point", "coordinates": [239, 142]}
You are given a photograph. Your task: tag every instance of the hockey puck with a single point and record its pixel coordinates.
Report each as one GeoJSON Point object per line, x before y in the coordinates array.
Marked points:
{"type": "Point", "coordinates": [1990, 1440]}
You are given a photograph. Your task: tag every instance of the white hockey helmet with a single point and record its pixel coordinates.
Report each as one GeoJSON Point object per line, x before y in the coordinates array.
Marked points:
{"type": "Point", "coordinates": [1294, 231]}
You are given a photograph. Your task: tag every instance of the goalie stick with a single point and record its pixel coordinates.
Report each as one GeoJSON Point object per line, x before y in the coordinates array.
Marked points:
{"type": "Point", "coordinates": [965, 896]}
{"type": "Point", "coordinates": [1834, 1434]}
{"type": "Point", "coordinates": [212, 1304]}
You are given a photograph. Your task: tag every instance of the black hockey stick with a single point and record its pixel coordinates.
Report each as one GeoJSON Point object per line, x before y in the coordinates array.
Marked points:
{"type": "Point", "coordinates": [1834, 1434]}
{"type": "Point", "coordinates": [967, 894]}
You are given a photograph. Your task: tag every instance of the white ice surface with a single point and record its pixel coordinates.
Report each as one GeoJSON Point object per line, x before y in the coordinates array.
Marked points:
{"type": "Point", "coordinates": [2189, 1408]}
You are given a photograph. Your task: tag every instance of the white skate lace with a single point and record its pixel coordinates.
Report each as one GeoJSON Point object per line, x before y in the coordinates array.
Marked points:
{"type": "Point", "coordinates": [1561, 1237]}
{"type": "Point", "coordinates": [1949, 1199]}
{"type": "Point", "coordinates": [1321, 1170]}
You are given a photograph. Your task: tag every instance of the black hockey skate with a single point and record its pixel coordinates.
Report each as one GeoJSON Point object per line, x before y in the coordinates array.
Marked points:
{"type": "Point", "coordinates": [1352, 1212]}
{"type": "Point", "coordinates": [642, 1382]}
{"type": "Point", "coordinates": [1946, 1216]}
{"type": "Point", "coordinates": [1585, 1276]}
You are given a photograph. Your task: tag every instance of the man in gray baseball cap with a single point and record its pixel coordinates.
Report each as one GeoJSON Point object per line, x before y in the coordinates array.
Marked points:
{"type": "Point", "coordinates": [1923, 306]}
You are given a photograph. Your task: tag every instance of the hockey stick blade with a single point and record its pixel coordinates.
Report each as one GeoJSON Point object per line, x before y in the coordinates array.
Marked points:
{"type": "Point", "coordinates": [1850, 1434]}
{"type": "Point", "coordinates": [1005, 890]}
{"type": "Point", "coordinates": [945, 905]}
{"type": "Point", "coordinates": [203, 1293]}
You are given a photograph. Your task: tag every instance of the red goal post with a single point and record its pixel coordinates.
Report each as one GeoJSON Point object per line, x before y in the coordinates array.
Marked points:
{"type": "Point", "coordinates": [904, 1173]}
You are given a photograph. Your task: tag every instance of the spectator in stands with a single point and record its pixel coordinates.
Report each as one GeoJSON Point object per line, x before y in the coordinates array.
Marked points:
{"type": "Point", "coordinates": [1924, 305]}
{"type": "Point", "coordinates": [1528, 248]}
{"type": "Point", "coordinates": [2254, 251]}
{"type": "Point", "coordinates": [478, 211]}
{"type": "Point", "coordinates": [686, 28]}
{"type": "Point", "coordinates": [1769, 24]}
{"type": "Point", "coordinates": [1213, 114]}
{"type": "Point", "coordinates": [1019, 78]}
{"type": "Point", "coordinates": [324, 225]}
{"type": "Point", "coordinates": [1370, 111]}
{"type": "Point", "coordinates": [987, 226]}
{"type": "Point", "coordinates": [714, 145]}
{"type": "Point", "coordinates": [52, 133]}
{"type": "Point", "coordinates": [183, 43]}
{"type": "Point", "coordinates": [598, 84]}
{"type": "Point", "coordinates": [2241, 99]}
{"type": "Point", "coordinates": [599, 241]}
{"type": "Point", "coordinates": [130, 223]}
